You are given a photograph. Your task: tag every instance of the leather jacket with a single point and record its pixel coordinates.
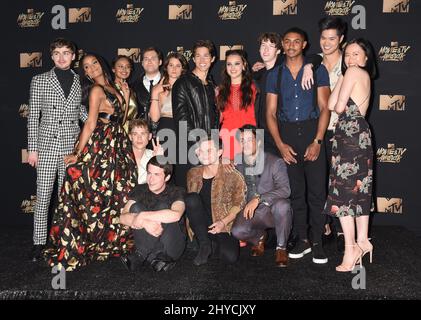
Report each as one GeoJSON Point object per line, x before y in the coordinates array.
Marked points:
{"type": "Point", "coordinates": [194, 103]}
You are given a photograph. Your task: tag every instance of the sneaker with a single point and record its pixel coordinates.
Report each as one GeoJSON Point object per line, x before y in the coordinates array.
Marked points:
{"type": "Point", "coordinates": [301, 248]}
{"type": "Point", "coordinates": [319, 255]}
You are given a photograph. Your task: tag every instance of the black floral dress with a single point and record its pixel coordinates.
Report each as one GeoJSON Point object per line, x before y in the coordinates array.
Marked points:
{"type": "Point", "coordinates": [351, 175]}
{"type": "Point", "coordinates": [85, 225]}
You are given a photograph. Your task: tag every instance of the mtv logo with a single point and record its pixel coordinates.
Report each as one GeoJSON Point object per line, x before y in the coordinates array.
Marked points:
{"type": "Point", "coordinates": [132, 53]}
{"type": "Point", "coordinates": [389, 205]}
{"type": "Point", "coordinates": [180, 12]}
{"type": "Point", "coordinates": [223, 50]}
{"type": "Point", "coordinates": [24, 156]}
{"type": "Point", "coordinates": [31, 60]}
{"type": "Point", "coordinates": [392, 102]}
{"type": "Point", "coordinates": [80, 15]}
{"type": "Point", "coordinates": [398, 6]}
{"type": "Point", "coordinates": [281, 7]}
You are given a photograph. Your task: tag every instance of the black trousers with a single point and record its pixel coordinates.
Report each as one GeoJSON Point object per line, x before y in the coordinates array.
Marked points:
{"type": "Point", "coordinates": [171, 243]}
{"type": "Point", "coordinates": [278, 216]}
{"type": "Point", "coordinates": [307, 180]}
{"type": "Point", "coordinates": [328, 143]}
{"type": "Point", "coordinates": [224, 245]}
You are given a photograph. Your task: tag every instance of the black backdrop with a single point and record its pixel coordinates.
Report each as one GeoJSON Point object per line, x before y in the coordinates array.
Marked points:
{"type": "Point", "coordinates": [103, 26]}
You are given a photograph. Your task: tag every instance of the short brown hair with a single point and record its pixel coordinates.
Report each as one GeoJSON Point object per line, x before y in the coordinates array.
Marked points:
{"type": "Point", "coordinates": [61, 42]}
{"type": "Point", "coordinates": [204, 43]}
{"type": "Point", "coordinates": [135, 123]}
{"type": "Point", "coordinates": [158, 52]}
{"type": "Point", "coordinates": [161, 162]}
{"type": "Point", "coordinates": [272, 37]}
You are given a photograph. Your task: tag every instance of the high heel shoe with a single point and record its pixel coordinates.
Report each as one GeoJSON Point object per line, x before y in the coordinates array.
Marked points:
{"type": "Point", "coordinates": [357, 258]}
{"type": "Point", "coordinates": [367, 249]}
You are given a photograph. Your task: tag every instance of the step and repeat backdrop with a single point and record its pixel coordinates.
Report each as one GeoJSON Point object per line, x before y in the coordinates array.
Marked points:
{"type": "Point", "coordinates": [112, 27]}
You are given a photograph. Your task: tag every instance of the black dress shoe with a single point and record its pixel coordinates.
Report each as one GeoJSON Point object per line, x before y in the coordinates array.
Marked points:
{"type": "Point", "coordinates": [161, 265]}
{"type": "Point", "coordinates": [36, 253]}
{"type": "Point", "coordinates": [133, 261]}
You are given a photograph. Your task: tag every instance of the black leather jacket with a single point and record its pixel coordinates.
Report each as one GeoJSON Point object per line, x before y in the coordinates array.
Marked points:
{"type": "Point", "coordinates": [194, 103]}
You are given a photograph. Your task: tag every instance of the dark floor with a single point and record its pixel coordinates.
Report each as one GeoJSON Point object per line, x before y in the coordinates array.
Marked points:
{"type": "Point", "coordinates": [394, 274]}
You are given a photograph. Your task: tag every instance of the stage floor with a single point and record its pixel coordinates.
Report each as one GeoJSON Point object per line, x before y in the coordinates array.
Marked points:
{"type": "Point", "coordinates": [394, 274]}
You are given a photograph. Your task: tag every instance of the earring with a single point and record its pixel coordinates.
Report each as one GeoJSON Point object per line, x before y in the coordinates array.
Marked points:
{"type": "Point", "coordinates": [89, 78]}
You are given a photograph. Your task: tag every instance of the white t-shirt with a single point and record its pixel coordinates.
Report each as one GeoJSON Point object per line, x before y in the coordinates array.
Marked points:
{"type": "Point", "coordinates": [141, 169]}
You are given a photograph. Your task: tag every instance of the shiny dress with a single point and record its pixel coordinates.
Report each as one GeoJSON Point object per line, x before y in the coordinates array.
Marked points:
{"type": "Point", "coordinates": [85, 225]}
{"type": "Point", "coordinates": [132, 113]}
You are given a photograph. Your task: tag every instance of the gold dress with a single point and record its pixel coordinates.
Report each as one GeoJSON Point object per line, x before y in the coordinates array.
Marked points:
{"type": "Point", "coordinates": [132, 114]}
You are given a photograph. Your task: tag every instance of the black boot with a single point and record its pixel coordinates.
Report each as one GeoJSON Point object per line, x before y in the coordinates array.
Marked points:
{"type": "Point", "coordinates": [205, 250]}
{"type": "Point", "coordinates": [133, 262]}
{"type": "Point", "coordinates": [36, 253]}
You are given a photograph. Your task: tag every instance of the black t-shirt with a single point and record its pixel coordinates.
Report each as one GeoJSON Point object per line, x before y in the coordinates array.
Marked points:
{"type": "Point", "coordinates": [151, 201]}
{"type": "Point", "coordinates": [65, 77]}
{"type": "Point", "coordinates": [206, 195]}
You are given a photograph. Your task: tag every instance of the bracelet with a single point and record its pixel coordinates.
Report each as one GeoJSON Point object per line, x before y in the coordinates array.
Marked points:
{"type": "Point", "coordinates": [154, 99]}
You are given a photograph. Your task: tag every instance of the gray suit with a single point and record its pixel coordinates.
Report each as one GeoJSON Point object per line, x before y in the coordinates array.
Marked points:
{"type": "Point", "coordinates": [52, 136]}
{"type": "Point", "coordinates": [274, 211]}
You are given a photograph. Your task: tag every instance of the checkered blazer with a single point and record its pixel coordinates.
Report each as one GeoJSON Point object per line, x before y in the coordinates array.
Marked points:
{"type": "Point", "coordinates": [53, 121]}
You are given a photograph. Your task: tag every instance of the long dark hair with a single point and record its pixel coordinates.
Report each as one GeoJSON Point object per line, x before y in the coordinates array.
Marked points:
{"type": "Point", "coordinates": [87, 83]}
{"type": "Point", "coordinates": [246, 83]}
{"type": "Point", "coordinates": [179, 57]}
{"type": "Point", "coordinates": [130, 61]}
{"type": "Point", "coordinates": [370, 65]}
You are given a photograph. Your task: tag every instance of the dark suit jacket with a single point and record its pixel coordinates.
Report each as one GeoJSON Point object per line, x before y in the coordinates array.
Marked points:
{"type": "Point", "coordinates": [272, 177]}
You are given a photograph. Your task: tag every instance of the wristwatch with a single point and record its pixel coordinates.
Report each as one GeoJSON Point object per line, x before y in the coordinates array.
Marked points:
{"type": "Point", "coordinates": [258, 197]}
{"type": "Point", "coordinates": [318, 141]}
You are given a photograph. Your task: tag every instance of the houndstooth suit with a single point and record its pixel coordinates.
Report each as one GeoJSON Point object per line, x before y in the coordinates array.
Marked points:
{"type": "Point", "coordinates": [52, 136]}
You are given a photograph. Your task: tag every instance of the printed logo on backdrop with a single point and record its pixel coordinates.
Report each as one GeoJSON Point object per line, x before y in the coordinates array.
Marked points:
{"type": "Point", "coordinates": [232, 11]}
{"type": "Point", "coordinates": [186, 53]}
{"type": "Point", "coordinates": [31, 60]}
{"type": "Point", "coordinates": [392, 102]}
{"type": "Point", "coordinates": [395, 52]}
{"type": "Point", "coordinates": [345, 8]}
{"type": "Point", "coordinates": [24, 110]}
{"type": "Point", "coordinates": [80, 53]}
{"type": "Point", "coordinates": [180, 12]}
{"type": "Point", "coordinates": [223, 50]}
{"type": "Point", "coordinates": [391, 154]}
{"type": "Point", "coordinates": [281, 7]}
{"type": "Point", "coordinates": [132, 53]}
{"type": "Point", "coordinates": [30, 19]}
{"type": "Point", "coordinates": [389, 205]}
{"type": "Point", "coordinates": [77, 15]}
{"type": "Point", "coordinates": [130, 14]}
{"type": "Point", "coordinates": [27, 205]}
{"type": "Point", "coordinates": [396, 6]}
{"type": "Point", "coordinates": [338, 7]}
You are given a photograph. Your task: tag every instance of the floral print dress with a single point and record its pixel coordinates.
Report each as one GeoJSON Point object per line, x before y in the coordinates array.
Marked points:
{"type": "Point", "coordinates": [351, 174]}
{"type": "Point", "coordinates": [85, 225]}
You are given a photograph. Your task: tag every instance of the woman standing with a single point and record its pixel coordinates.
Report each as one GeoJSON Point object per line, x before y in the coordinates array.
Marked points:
{"type": "Point", "coordinates": [100, 174]}
{"type": "Point", "coordinates": [122, 69]}
{"type": "Point", "coordinates": [351, 175]}
{"type": "Point", "coordinates": [235, 100]}
{"type": "Point", "coordinates": [161, 115]}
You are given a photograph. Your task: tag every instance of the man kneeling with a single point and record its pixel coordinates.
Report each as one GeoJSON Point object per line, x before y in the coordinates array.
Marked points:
{"type": "Point", "coordinates": [268, 191]}
{"type": "Point", "coordinates": [154, 212]}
